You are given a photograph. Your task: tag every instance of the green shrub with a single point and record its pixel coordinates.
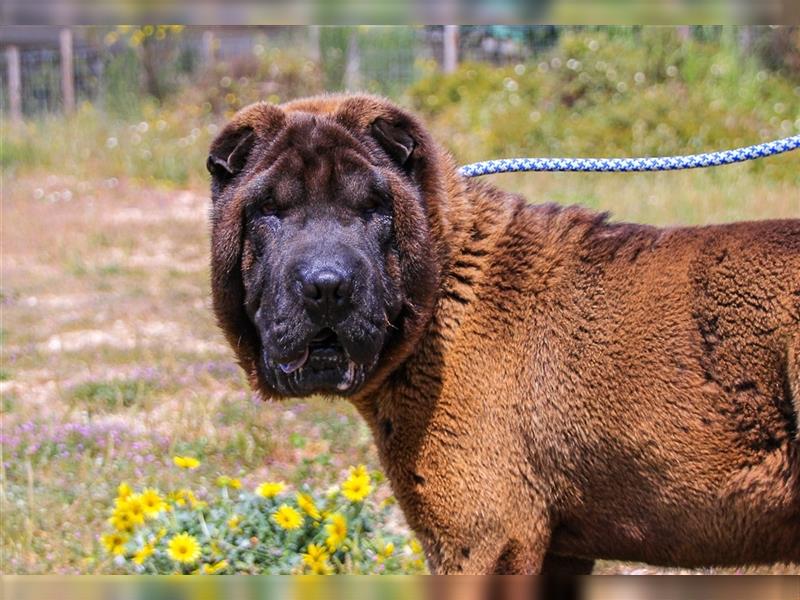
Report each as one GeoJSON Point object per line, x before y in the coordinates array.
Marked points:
{"type": "Point", "coordinates": [595, 95]}
{"type": "Point", "coordinates": [269, 530]}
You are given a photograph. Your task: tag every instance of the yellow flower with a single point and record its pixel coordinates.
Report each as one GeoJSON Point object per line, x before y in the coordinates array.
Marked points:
{"type": "Point", "coordinates": [178, 498]}
{"type": "Point", "coordinates": [181, 497]}
{"type": "Point", "coordinates": [124, 490]}
{"type": "Point", "coordinates": [270, 489]}
{"type": "Point", "coordinates": [337, 531]}
{"type": "Point", "coordinates": [233, 522]}
{"type": "Point", "coordinates": [287, 517]}
{"type": "Point", "coordinates": [306, 503]}
{"type": "Point", "coordinates": [196, 504]}
{"type": "Point", "coordinates": [356, 487]}
{"type": "Point", "coordinates": [133, 507]}
{"type": "Point", "coordinates": [114, 543]}
{"type": "Point", "coordinates": [359, 471]}
{"type": "Point", "coordinates": [186, 462]}
{"type": "Point", "coordinates": [183, 548]}
{"type": "Point", "coordinates": [415, 546]}
{"type": "Point", "coordinates": [121, 520]}
{"type": "Point", "coordinates": [211, 569]}
{"type": "Point", "coordinates": [387, 551]}
{"type": "Point", "coordinates": [314, 553]}
{"type": "Point", "coordinates": [225, 481]}
{"type": "Point", "coordinates": [152, 502]}
{"type": "Point", "coordinates": [143, 553]}
{"type": "Point", "coordinates": [316, 558]}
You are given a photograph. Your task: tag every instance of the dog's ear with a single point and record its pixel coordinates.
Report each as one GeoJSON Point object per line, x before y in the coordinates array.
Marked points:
{"type": "Point", "coordinates": [229, 151]}
{"type": "Point", "coordinates": [396, 140]}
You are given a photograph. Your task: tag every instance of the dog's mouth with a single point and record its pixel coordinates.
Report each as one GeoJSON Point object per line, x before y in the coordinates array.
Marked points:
{"type": "Point", "coordinates": [323, 366]}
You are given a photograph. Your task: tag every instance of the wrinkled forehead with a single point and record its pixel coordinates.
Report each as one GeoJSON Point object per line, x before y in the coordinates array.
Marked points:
{"type": "Point", "coordinates": [316, 155]}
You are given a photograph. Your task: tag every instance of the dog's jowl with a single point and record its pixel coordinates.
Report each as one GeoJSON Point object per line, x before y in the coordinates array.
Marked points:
{"type": "Point", "coordinates": [545, 387]}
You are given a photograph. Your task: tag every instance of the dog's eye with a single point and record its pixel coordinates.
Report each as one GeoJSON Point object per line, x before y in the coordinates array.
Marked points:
{"type": "Point", "coordinates": [268, 208]}
{"type": "Point", "coordinates": [374, 203]}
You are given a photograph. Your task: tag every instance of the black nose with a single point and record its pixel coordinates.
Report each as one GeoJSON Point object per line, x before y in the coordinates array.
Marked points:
{"type": "Point", "coordinates": [326, 290]}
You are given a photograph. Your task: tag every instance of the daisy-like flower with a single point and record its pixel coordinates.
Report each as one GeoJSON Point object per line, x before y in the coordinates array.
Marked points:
{"type": "Point", "coordinates": [121, 520]}
{"type": "Point", "coordinates": [337, 531]}
{"type": "Point", "coordinates": [316, 558]}
{"type": "Point", "coordinates": [287, 518]}
{"type": "Point", "coordinates": [143, 553]}
{"type": "Point", "coordinates": [179, 498]}
{"type": "Point", "coordinates": [270, 489]}
{"type": "Point", "coordinates": [183, 548]}
{"type": "Point", "coordinates": [114, 543]}
{"type": "Point", "coordinates": [233, 522]}
{"type": "Point", "coordinates": [123, 491]}
{"type": "Point", "coordinates": [152, 502]}
{"type": "Point", "coordinates": [215, 568]}
{"type": "Point", "coordinates": [134, 506]}
{"type": "Point", "coordinates": [415, 546]}
{"type": "Point", "coordinates": [356, 487]}
{"type": "Point", "coordinates": [321, 568]}
{"type": "Point", "coordinates": [385, 553]}
{"type": "Point", "coordinates": [359, 471]}
{"type": "Point", "coordinates": [306, 503]}
{"type": "Point", "coordinates": [186, 462]}
{"type": "Point", "coordinates": [225, 481]}
{"type": "Point", "coordinates": [182, 496]}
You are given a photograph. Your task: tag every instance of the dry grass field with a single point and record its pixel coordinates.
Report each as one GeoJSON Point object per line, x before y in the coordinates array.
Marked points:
{"type": "Point", "coordinates": [112, 363]}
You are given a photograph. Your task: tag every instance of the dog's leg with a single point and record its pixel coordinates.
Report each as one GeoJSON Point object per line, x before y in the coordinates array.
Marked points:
{"type": "Point", "coordinates": [554, 564]}
{"type": "Point", "coordinates": [520, 559]}
{"type": "Point", "coordinates": [491, 556]}
{"type": "Point", "coordinates": [793, 380]}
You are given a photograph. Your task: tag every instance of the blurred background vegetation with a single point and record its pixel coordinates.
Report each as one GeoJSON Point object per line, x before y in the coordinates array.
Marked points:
{"type": "Point", "coordinates": [149, 99]}
{"type": "Point", "coordinates": [110, 360]}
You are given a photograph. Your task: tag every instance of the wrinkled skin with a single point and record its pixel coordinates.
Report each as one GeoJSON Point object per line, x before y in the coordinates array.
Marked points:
{"type": "Point", "coordinates": [318, 223]}
{"type": "Point", "coordinates": [319, 290]}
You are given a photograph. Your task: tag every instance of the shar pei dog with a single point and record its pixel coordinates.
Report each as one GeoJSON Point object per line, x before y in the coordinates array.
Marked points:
{"type": "Point", "coordinates": [545, 387]}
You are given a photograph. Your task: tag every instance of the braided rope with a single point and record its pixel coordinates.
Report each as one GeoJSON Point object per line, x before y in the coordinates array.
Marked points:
{"type": "Point", "coordinates": [629, 165]}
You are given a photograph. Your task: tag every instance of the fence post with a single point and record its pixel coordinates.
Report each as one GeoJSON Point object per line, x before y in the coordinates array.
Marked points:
{"type": "Point", "coordinates": [67, 70]}
{"type": "Point", "coordinates": [14, 84]}
{"type": "Point", "coordinates": [352, 70]}
{"type": "Point", "coordinates": [314, 53]}
{"type": "Point", "coordinates": [450, 62]}
{"type": "Point", "coordinates": [209, 47]}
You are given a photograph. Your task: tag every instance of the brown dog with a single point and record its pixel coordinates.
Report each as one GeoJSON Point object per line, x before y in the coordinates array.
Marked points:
{"type": "Point", "coordinates": [544, 387]}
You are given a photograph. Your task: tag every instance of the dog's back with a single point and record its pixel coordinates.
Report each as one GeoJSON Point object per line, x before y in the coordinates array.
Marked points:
{"type": "Point", "coordinates": [676, 353]}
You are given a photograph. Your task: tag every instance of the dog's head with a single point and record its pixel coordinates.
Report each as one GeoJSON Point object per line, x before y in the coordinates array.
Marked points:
{"type": "Point", "coordinates": [323, 267]}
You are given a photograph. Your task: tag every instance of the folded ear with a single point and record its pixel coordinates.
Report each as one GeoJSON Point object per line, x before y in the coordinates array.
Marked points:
{"type": "Point", "coordinates": [229, 151]}
{"type": "Point", "coordinates": [394, 139]}
{"type": "Point", "coordinates": [233, 145]}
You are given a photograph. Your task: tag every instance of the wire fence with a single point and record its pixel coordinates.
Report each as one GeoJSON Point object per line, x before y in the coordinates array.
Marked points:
{"type": "Point", "coordinates": [379, 59]}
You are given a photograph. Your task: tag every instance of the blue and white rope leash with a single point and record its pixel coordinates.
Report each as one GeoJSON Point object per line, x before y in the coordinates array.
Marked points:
{"type": "Point", "coordinates": [629, 165]}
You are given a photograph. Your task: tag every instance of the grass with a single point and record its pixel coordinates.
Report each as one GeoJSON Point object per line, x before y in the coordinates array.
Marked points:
{"type": "Point", "coordinates": [112, 363]}
{"type": "Point", "coordinates": [110, 372]}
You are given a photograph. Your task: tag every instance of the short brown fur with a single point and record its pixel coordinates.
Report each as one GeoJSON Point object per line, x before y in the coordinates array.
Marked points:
{"type": "Point", "coordinates": [567, 389]}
